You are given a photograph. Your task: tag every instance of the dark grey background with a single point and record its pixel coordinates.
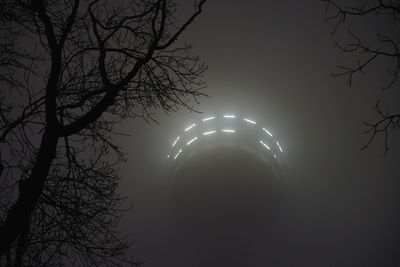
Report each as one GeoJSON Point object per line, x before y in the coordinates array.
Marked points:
{"type": "Point", "coordinates": [339, 205]}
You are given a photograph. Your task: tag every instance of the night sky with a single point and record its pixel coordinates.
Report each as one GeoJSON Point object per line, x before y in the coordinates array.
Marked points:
{"type": "Point", "coordinates": [338, 206]}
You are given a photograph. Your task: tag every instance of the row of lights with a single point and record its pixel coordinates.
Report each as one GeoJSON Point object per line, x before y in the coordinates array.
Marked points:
{"type": "Point", "coordinates": [225, 131]}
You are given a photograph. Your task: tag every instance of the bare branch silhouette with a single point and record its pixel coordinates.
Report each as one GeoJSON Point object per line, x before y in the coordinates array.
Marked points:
{"type": "Point", "coordinates": [70, 71]}
{"type": "Point", "coordinates": [387, 48]}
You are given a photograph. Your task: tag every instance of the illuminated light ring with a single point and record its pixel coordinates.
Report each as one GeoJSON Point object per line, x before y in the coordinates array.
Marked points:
{"type": "Point", "coordinates": [209, 118]}
{"type": "Point", "coordinates": [264, 144]}
{"type": "Point", "coordinates": [176, 141]}
{"type": "Point", "coordinates": [229, 116]}
{"type": "Point", "coordinates": [191, 141]}
{"type": "Point", "coordinates": [213, 127]}
{"type": "Point", "coordinates": [190, 127]}
{"type": "Point", "coordinates": [249, 121]}
{"type": "Point", "coordinates": [209, 132]}
{"type": "Point", "coordinates": [177, 154]}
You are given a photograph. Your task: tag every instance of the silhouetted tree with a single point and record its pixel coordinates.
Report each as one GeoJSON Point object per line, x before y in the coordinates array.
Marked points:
{"type": "Point", "coordinates": [386, 48]}
{"type": "Point", "coordinates": [69, 71]}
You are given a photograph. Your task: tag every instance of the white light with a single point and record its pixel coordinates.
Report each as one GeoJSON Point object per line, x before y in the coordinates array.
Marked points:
{"type": "Point", "coordinates": [208, 133]}
{"type": "Point", "coordinates": [190, 127]}
{"type": "Point", "coordinates": [191, 141]}
{"type": "Point", "coordinates": [228, 131]}
{"type": "Point", "coordinates": [209, 118]}
{"type": "Point", "coordinates": [279, 147]}
{"type": "Point", "coordinates": [250, 121]}
{"type": "Point", "coordinates": [264, 145]}
{"type": "Point", "coordinates": [176, 140]}
{"type": "Point", "coordinates": [230, 116]}
{"type": "Point", "coordinates": [177, 154]}
{"type": "Point", "coordinates": [274, 156]}
{"type": "Point", "coordinates": [270, 134]}
{"type": "Point", "coordinates": [167, 156]}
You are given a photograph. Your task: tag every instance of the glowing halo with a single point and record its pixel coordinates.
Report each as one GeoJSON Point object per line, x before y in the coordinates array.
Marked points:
{"type": "Point", "coordinates": [245, 132]}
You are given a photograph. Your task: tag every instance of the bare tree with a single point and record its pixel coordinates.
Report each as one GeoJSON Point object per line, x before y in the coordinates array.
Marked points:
{"type": "Point", "coordinates": [69, 71]}
{"type": "Point", "coordinates": [387, 48]}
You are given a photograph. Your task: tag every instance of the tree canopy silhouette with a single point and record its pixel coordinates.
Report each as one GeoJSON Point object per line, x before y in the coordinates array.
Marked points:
{"type": "Point", "coordinates": [386, 47]}
{"type": "Point", "coordinates": [69, 71]}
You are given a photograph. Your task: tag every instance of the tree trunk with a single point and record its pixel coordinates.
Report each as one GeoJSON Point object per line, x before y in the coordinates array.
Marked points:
{"type": "Point", "coordinates": [30, 191]}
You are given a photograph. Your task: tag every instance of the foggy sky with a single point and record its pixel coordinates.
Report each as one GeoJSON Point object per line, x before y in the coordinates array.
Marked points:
{"type": "Point", "coordinates": [338, 207]}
